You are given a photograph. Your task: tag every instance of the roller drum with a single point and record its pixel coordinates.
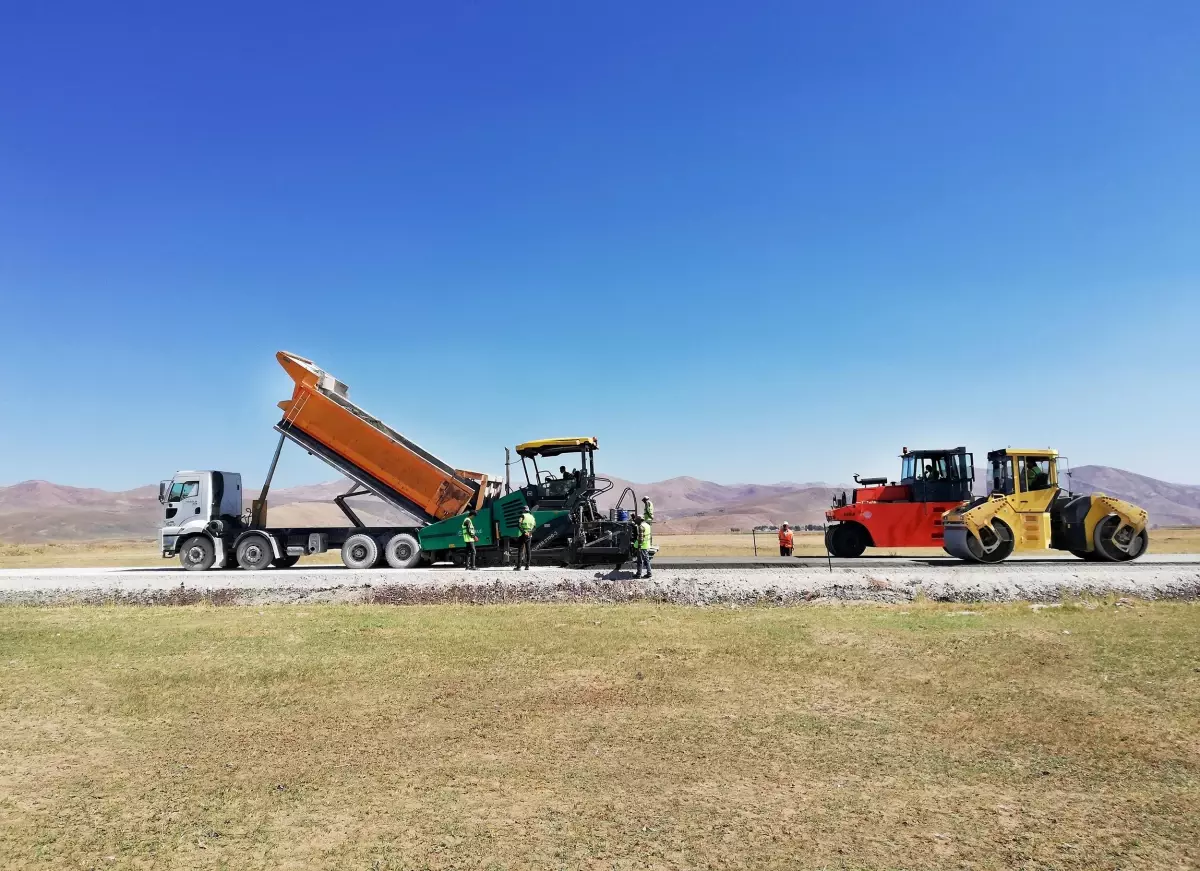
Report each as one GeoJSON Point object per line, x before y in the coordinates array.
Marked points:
{"type": "Point", "coordinates": [957, 543]}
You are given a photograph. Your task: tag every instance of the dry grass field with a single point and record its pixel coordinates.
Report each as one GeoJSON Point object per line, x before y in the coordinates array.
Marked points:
{"type": "Point", "coordinates": [88, 554]}
{"type": "Point", "coordinates": [541, 736]}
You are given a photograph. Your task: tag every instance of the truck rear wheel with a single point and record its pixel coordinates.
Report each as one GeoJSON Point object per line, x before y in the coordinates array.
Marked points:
{"type": "Point", "coordinates": [254, 553]}
{"type": "Point", "coordinates": [197, 553]}
{"type": "Point", "coordinates": [402, 551]}
{"type": "Point", "coordinates": [360, 551]}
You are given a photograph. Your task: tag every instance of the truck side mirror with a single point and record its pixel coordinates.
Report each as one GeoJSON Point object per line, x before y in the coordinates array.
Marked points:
{"type": "Point", "coordinates": [162, 491]}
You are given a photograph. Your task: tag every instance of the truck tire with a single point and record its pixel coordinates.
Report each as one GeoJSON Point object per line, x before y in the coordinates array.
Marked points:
{"type": "Point", "coordinates": [197, 553]}
{"type": "Point", "coordinates": [286, 561]}
{"type": "Point", "coordinates": [254, 553]}
{"type": "Point", "coordinates": [402, 551]}
{"type": "Point", "coordinates": [360, 551]}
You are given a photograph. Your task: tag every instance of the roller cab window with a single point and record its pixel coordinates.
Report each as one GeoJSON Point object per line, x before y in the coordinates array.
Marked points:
{"type": "Point", "coordinates": [932, 469]}
{"type": "Point", "coordinates": [1035, 474]}
{"type": "Point", "coordinates": [1002, 475]}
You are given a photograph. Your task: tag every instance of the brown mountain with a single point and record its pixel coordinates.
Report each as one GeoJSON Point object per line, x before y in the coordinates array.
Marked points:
{"type": "Point", "coordinates": [1168, 504]}
{"type": "Point", "coordinates": [43, 511]}
{"type": "Point", "coordinates": [684, 496]}
{"type": "Point", "coordinates": [33, 511]}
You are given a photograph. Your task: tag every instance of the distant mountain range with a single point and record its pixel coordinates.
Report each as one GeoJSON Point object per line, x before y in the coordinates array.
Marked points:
{"type": "Point", "coordinates": [34, 511]}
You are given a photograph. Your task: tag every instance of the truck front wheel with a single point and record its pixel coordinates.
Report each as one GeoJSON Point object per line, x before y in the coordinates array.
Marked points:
{"type": "Point", "coordinates": [197, 553]}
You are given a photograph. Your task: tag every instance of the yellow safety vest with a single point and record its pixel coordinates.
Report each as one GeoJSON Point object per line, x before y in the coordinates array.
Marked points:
{"type": "Point", "coordinates": [643, 539]}
{"type": "Point", "coordinates": [526, 523]}
{"type": "Point", "coordinates": [648, 513]}
{"type": "Point", "coordinates": [468, 530]}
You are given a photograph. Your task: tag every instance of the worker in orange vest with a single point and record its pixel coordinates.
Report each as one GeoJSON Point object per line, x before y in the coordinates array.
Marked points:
{"type": "Point", "coordinates": [785, 540]}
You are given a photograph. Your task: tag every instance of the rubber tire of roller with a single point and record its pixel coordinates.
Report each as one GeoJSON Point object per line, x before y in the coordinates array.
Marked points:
{"type": "Point", "coordinates": [254, 553]}
{"type": "Point", "coordinates": [286, 561]}
{"type": "Point", "coordinates": [849, 540]}
{"type": "Point", "coordinates": [205, 549]}
{"type": "Point", "coordinates": [402, 551]}
{"type": "Point", "coordinates": [1107, 551]}
{"type": "Point", "coordinates": [360, 552]}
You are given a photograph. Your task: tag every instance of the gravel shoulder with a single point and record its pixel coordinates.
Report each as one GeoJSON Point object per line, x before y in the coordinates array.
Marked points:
{"type": "Point", "coordinates": [890, 583]}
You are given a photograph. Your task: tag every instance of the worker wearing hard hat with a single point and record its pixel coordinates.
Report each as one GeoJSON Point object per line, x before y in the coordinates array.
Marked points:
{"type": "Point", "coordinates": [525, 523]}
{"type": "Point", "coordinates": [786, 540]}
{"type": "Point", "coordinates": [641, 545]}
{"type": "Point", "coordinates": [469, 539]}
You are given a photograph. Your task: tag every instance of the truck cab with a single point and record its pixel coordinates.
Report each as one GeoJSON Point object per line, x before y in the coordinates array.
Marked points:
{"type": "Point", "coordinates": [194, 504]}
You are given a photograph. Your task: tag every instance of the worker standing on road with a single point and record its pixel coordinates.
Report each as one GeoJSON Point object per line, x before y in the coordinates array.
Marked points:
{"type": "Point", "coordinates": [648, 515]}
{"type": "Point", "coordinates": [786, 540]}
{"type": "Point", "coordinates": [469, 539]}
{"type": "Point", "coordinates": [641, 545]}
{"type": "Point", "coordinates": [526, 523]}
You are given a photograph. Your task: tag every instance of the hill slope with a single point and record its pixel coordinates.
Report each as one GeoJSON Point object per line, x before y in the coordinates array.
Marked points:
{"type": "Point", "coordinates": [34, 511]}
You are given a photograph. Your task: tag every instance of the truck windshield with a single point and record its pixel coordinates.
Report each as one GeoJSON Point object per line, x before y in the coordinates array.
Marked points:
{"type": "Point", "coordinates": [182, 490]}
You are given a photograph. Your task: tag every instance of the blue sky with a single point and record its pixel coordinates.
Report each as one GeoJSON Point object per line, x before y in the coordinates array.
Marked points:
{"type": "Point", "coordinates": [773, 241]}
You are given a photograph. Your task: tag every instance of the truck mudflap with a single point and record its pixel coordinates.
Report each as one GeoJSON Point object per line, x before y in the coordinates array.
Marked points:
{"type": "Point", "coordinates": [224, 555]}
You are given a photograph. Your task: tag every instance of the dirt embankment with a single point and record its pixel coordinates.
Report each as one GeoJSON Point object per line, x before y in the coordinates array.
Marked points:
{"type": "Point", "coordinates": [892, 584]}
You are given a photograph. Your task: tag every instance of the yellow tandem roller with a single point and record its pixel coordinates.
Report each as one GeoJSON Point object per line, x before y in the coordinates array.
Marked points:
{"type": "Point", "coordinates": [1029, 511]}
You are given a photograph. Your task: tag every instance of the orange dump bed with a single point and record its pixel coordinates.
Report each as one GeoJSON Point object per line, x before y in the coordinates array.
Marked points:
{"type": "Point", "coordinates": [367, 449]}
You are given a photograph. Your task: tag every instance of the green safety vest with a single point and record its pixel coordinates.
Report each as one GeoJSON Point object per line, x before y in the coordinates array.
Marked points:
{"type": "Point", "coordinates": [526, 523]}
{"type": "Point", "coordinates": [648, 512]}
{"type": "Point", "coordinates": [643, 538]}
{"type": "Point", "coordinates": [468, 530]}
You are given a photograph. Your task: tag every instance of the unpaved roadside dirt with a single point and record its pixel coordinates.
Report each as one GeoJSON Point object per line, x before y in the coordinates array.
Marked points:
{"type": "Point", "coordinates": [958, 583]}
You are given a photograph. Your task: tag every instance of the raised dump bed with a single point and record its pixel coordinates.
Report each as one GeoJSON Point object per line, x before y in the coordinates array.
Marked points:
{"type": "Point", "coordinates": [322, 419]}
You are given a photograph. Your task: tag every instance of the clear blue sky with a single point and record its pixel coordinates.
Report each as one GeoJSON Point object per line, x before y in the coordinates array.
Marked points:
{"type": "Point", "coordinates": [755, 242]}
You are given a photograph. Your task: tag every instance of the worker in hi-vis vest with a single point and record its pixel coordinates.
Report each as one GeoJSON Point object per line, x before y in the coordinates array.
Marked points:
{"type": "Point", "coordinates": [647, 509]}
{"type": "Point", "coordinates": [641, 545]}
{"type": "Point", "coordinates": [526, 523]}
{"type": "Point", "coordinates": [786, 541]}
{"type": "Point", "coordinates": [469, 539]}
